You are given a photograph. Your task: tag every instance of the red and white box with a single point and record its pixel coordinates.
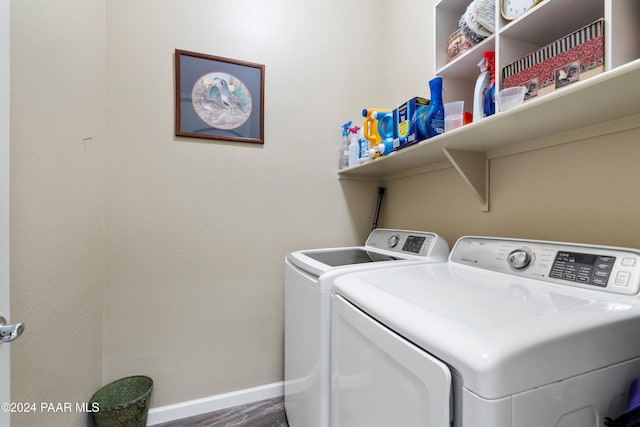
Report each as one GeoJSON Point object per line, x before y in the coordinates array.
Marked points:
{"type": "Point", "coordinates": [575, 57]}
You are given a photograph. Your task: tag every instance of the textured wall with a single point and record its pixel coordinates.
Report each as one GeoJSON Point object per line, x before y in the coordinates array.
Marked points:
{"type": "Point", "coordinates": [407, 39]}
{"type": "Point", "coordinates": [4, 197]}
{"type": "Point", "coordinates": [581, 191]}
{"type": "Point", "coordinates": [197, 230]}
{"type": "Point", "coordinates": [57, 203]}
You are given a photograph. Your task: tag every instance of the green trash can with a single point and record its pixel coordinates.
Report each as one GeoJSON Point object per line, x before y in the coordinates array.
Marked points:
{"type": "Point", "coordinates": [123, 403]}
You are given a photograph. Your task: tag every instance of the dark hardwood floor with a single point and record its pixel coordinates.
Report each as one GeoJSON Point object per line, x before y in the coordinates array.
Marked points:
{"type": "Point", "coordinates": [265, 413]}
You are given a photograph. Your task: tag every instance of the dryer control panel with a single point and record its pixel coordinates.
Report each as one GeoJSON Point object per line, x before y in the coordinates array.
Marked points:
{"type": "Point", "coordinates": [604, 268]}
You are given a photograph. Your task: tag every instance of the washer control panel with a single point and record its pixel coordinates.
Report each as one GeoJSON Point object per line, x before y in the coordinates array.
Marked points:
{"type": "Point", "coordinates": [418, 243]}
{"type": "Point", "coordinates": [587, 268]}
{"type": "Point", "coordinates": [604, 268]}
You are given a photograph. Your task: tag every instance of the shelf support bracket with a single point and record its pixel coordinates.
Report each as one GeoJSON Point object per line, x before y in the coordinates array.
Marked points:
{"type": "Point", "coordinates": [473, 166]}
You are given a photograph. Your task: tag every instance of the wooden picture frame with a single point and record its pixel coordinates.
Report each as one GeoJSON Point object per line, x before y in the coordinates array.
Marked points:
{"type": "Point", "coordinates": [218, 98]}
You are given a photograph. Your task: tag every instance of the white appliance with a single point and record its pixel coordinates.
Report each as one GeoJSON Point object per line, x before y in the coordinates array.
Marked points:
{"type": "Point", "coordinates": [508, 333]}
{"type": "Point", "coordinates": [309, 277]}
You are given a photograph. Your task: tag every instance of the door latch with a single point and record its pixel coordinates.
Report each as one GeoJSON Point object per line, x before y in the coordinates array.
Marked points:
{"type": "Point", "coordinates": [10, 332]}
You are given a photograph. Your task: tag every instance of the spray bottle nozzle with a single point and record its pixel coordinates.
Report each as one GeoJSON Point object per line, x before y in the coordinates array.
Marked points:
{"type": "Point", "coordinates": [354, 129]}
{"type": "Point", "coordinates": [489, 61]}
{"type": "Point", "coordinates": [345, 128]}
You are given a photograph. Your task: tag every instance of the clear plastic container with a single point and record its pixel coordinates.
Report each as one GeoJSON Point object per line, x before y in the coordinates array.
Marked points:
{"type": "Point", "coordinates": [511, 97]}
{"type": "Point", "coordinates": [453, 115]}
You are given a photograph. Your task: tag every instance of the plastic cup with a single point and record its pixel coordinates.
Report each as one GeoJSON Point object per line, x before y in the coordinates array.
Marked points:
{"type": "Point", "coordinates": [511, 97]}
{"type": "Point", "coordinates": [453, 115]}
{"type": "Point", "coordinates": [452, 122]}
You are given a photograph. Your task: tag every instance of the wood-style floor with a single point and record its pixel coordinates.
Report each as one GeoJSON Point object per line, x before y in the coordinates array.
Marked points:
{"type": "Point", "coordinates": [265, 413]}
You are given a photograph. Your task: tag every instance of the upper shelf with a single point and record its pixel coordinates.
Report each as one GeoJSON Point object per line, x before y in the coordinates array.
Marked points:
{"type": "Point", "coordinates": [466, 65]}
{"type": "Point", "coordinates": [559, 18]}
{"type": "Point", "coordinates": [608, 96]}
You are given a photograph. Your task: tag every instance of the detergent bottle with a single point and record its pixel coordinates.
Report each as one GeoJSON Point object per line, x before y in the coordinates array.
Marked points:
{"type": "Point", "coordinates": [489, 99]}
{"type": "Point", "coordinates": [387, 134]}
{"type": "Point", "coordinates": [482, 83]}
{"type": "Point", "coordinates": [435, 113]}
{"type": "Point", "coordinates": [371, 124]}
{"type": "Point", "coordinates": [385, 129]}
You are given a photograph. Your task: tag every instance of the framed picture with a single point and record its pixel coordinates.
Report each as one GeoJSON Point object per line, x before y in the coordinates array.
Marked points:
{"type": "Point", "coordinates": [219, 98]}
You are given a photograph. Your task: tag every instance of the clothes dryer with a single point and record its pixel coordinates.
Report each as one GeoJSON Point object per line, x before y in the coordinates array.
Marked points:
{"type": "Point", "coordinates": [309, 277]}
{"type": "Point", "coordinates": [508, 333]}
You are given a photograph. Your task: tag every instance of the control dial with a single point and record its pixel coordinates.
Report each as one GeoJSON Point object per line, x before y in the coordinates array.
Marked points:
{"type": "Point", "coordinates": [519, 259]}
{"type": "Point", "coordinates": [393, 241]}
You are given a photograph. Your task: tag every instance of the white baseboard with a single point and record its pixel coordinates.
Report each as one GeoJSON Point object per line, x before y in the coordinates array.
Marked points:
{"type": "Point", "coordinates": [190, 408]}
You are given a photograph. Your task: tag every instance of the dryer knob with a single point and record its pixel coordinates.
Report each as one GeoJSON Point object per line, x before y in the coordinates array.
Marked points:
{"type": "Point", "coordinates": [519, 259]}
{"type": "Point", "coordinates": [393, 241]}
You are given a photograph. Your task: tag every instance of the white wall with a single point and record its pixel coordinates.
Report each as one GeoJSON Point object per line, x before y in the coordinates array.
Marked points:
{"type": "Point", "coordinates": [57, 203]}
{"type": "Point", "coordinates": [197, 230]}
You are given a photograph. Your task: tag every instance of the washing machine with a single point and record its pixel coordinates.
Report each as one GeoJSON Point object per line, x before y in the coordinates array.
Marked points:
{"type": "Point", "coordinates": [309, 276]}
{"type": "Point", "coordinates": [508, 333]}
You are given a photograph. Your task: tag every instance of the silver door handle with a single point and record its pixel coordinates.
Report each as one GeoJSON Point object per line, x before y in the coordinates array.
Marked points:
{"type": "Point", "coordinates": [9, 333]}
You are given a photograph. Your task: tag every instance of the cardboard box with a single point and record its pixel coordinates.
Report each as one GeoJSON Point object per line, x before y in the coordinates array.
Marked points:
{"type": "Point", "coordinates": [410, 122]}
{"type": "Point", "coordinates": [575, 57]}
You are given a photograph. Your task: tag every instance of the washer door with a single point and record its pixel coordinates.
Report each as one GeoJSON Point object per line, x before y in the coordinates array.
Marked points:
{"type": "Point", "coordinates": [381, 379]}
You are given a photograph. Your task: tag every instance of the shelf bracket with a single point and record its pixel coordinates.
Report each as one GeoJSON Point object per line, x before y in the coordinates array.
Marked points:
{"type": "Point", "coordinates": [473, 166]}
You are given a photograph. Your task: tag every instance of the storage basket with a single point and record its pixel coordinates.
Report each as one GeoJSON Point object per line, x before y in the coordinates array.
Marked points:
{"type": "Point", "coordinates": [575, 57]}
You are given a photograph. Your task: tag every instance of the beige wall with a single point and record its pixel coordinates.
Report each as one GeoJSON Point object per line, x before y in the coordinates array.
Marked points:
{"type": "Point", "coordinates": [197, 230]}
{"type": "Point", "coordinates": [184, 243]}
{"type": "Point", "coordinates": [581, 191]}
{"type": "Point", "coordinates": [57, 203]}
{"type": "Point", "coordinates": [407, 39]}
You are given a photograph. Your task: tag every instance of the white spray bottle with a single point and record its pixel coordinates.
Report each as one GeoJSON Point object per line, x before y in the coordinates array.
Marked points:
{"type": "Point", "coordinates": [354, 146]}
{"type": "Point", "coordinates": [481, 86]}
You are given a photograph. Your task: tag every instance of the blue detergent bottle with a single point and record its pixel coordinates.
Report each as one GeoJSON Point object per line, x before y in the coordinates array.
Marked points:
{"type": "Point", "coordinates": [435, 114]}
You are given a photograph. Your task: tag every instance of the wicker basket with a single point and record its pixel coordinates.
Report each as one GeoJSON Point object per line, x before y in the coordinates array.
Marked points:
{"type": "Point", "coordinates": [123, 403]}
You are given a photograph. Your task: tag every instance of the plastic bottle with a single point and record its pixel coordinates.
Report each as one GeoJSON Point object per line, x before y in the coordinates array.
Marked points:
{"type": "Point", "coordinates": [489, 99]}
{"type": "Point", "coordinates": [354, 146]}
{"type": "Point", "coordinates": [382, 149]}
{"type": "Point", "coordinates": [481, 85]}
{"type": "Point", "coordinates": [363, 155]}
{"type": "Point", "coordinates": [343, 150]}
{"type": "Point", "coordinates": [377, 151]}
{"type": "Point", "coordinates": [435, 114]}
{"type": "Point", "coordinates": [371, 125]}
{"type": "Point", "coordinates": [385, 125]}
